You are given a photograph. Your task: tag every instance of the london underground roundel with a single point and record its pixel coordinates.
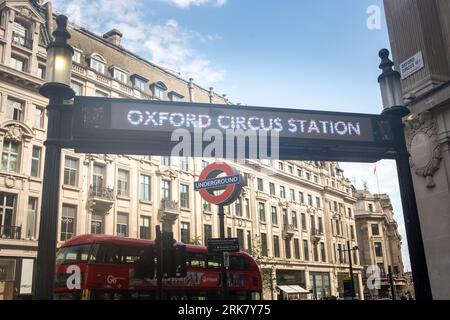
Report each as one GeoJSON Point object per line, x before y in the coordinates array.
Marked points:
{"type": "Point", "coordinates": [219, 183]}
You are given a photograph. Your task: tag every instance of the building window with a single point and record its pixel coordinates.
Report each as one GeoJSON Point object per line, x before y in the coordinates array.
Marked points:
{"type": "Point", "coordinates": [318, 203]}
{"type": "Point", "coordinates": [240, 236]}
{"type": "Point", "coordinates": [370, 207]}
{"type": "Point", "coordinates": [285, 217]}
{"type": "Point", "coordinates": [313, 223]}
{"type": "Point", "coordinates": [99, 178]}
{"type": "Point", "coordinates": [282, 192]}
{"type": "Point", "coordinates": [299, 173]}
{"type": "Point", "coordinates": [308, 175]}
{"type": "Point", "coordinates": [165, 161]}
{"type": "Point", "coordinates": [7, 215]}
{"type": "Point", "coordinates": [349, 210]}
{"type": "Point", "coordinates": [159, 89]}
{"type": "Point", "coordinates": [146, 188]}
{"type": "Point", "coordinates": [98, 65]}
{"type": "Point", "coordinates": [304, 227]}
{"type": "Point", "coordinates": [145, 227]}
{"type": "Point", "coordinates": [229, 232]}
{"type": "Point", "coordinates": [352, 232]}
{"type": "Point", "coordinates": [31, 217]}
{"type": "Point", "coordinates": [206, 206]}
{"type": "Point", "coordinates": [276, 246]}
{"type": "Point", "coordinates": [375, 230]}
{"type": "Point", "coordinates": [238, 207]}
{"type": "Point", "coordinates": [264, 248]}
{"type": "Point", "coordinates": [207, 231]}
{"type": "Point", "coordinates": [322, 251]}
{"type": "Point", "coordinates": [294, 219]}
{"type": "Point", "coordinates": [184, 163]}
{"type": "Point", "coordinates": [123, 182]}
{"type": "Point", "coordinates": [316, 252]}
{"type": "Point", "coordinates": [184, 196]}
{"type": "Point", "coordinates": [18, 63]}
{"type": "Point", "coordinates": [310, 201]}
{"type": "Point", "coordinates": [378, 249]}
{"type": "Point", "coordinates": [76, 57]}
{"type": "Point", "coordinates": [249, 242]}
{"type": "Point", "coordinates": [316, 179]}
{"type": "Point", "coordinates": [68, 218]}
{"type": "Point", "coordinates": [11, 156]}
{"type": "Point", "coordinates": [39, 114]}
{"type": "Point", "coordinates": [97, 224]}
{"type": "Point", "coordinates": [296, 249]}
{"type": "Point", "coordinates": [122, 225]}
{"type": "Point", "coordinates": [273, 211]}
{"type": "Point", "coordinates": [139, 84]}
{"type": "Point", "coordinates": [120, 76]}
{"type": "Point", "coordinates": [36, 162]}
{"type": "Point", "coordinates": [305, 250]}
{"type": "Point", "coordinates": [262, 212]}
{"type": "Point", "coordinates": [165, 189]}
{"type": "Point", "coordinates": [78, 88]}
{"type": "Point", "coordinates": [291, 169]}
{"type": "Point", "coordinates": [185, 232]}
{"type": "Point", "coordinates": [292, 194]}
{"type": "Point", "coordinates": [272, 189]}
{"type": "Point", "coordinates": [320, 223]}
{"type": "Point", "coordinates": [20, 35]}
{"type": "Point", "coordinates": [301, 197]}
{"type": "Point", "coordinates": [175, 97]}
{"type": "Point", "coordinates": [247, 208]}
{"type": "Point", "coordinates": [41, 72]}
{"type": "Point", "coordinates": [281, 166]}
{"type": "Point", "coordinates": [260, 184]}
{"type": "Point", "coordinates": [381, 269]}
{"type": "Point", "coordinates": [287, 247]}
{"type": "Point", "coordinates": [15, 110]}
{"type": "Point", "coordinates": [71, 171]}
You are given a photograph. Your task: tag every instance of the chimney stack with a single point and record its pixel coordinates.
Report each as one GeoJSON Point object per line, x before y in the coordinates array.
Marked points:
{"type": "Point", "coordinates": [114, 36]}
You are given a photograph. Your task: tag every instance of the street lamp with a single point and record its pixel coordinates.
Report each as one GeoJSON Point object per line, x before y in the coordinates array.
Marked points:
{"type": "Point", "coordinates": [56, 89]}
{"type": "Point", "coordinates": [349, 250]}
{"type": "Point", "coordinates": [395, 110]}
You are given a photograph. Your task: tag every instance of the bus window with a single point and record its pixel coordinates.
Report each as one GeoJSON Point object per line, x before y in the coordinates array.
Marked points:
{"type": "Point", "coordinates": [73, 254]}
{"type": "Point", "coordinates": [197, 260]}
{"type": "Point", "coordinates": [238, 263]}
{"type": "Point", "coordinates": [214, 262]}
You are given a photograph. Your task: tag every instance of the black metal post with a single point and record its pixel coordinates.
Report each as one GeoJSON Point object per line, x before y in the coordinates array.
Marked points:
{"type": "Point", "coordinates": [45, 265]}
{"type": "Point", "coordinates": [411, 215]}
{"type": "Point", "coordinates": [222, 236]}
{"type": "Point", "coordinates": [351, 270]}
{"type": "Point", "coordinates": [391, 282]}
{"type": "Point", "coordinates": [159, 261]}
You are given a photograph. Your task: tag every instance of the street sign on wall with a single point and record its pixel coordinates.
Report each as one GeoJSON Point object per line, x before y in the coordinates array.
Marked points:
{"type": "Point", "coordinates": [105, 125]}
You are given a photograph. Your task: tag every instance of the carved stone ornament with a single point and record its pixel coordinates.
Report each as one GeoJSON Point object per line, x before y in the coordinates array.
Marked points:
{"type": "Point", "coordinates": [424, 147]}
{"type": "Point", "coordinates": [14, 133]}
{"type": "Point", "coordinates": [25, 12]}
{"type": "Point", "coordinates": [10, 182]}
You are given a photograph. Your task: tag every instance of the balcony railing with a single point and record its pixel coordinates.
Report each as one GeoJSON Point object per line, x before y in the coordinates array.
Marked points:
{"type": "Point", "coordinates": [167, 204]}
{"type": "Point", "coordinates": [19, 39]}
{"type": "Point", "coordinates": [10, 232]}
{"type": "Point", "coordinates": [102, 193]}
{"type": "Point", "coordinates": [316, 232]}
{"type": "Point", "coordinates": [289, 228]}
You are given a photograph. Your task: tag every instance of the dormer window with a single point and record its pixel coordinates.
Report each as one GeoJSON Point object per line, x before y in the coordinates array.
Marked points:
{"type": "Point", "coordinates": [176, 97]}
{"type": "Point", "coordinates": [119, 75]}
{"type": "Point", "coordinates": [139, 82]}
{"type": "Point", "coordinates": [76, 56]}
{"type": "Point", "coordinates": [98, 63]}
{"type": "Point", "coordinates": [159, 89]}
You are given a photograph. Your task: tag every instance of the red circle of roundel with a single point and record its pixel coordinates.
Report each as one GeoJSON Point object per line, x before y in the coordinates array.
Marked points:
{"type": "Point", "coordinates": [215, 169]}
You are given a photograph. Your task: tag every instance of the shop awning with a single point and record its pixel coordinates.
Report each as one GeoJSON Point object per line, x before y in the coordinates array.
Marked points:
{"type": "Point", "coordinates": [292, 289]}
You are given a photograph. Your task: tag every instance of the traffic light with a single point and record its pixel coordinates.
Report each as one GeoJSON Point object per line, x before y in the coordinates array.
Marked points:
{"type": "Point", "coordinates": [144, 267]}
{"type": "Point", "coordinates": [173, 257]}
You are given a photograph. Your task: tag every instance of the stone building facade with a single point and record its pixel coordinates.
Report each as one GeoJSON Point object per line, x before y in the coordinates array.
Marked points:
{"type": "Point", "coordinates": [419, 32]}
{"type": "Point", "coordinates": [380, 244]}
{"type": "Point", "coordinates": [293, 216]}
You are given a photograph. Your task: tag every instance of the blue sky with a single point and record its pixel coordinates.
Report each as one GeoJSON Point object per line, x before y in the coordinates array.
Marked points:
{"type": "Point", "coordinates": [308, 54]}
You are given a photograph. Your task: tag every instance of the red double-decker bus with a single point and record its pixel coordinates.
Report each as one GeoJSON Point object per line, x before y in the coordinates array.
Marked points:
{"type": "Point", "coordinates": [98, 267]}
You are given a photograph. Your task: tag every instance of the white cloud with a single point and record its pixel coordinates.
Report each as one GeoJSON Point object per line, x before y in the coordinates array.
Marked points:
{"type": "Point", "coordinates": [195, 3]}
{"type": "Point", "coordinates": [384, 181]}
{"type": "Point", "coordinates": [167, 44]}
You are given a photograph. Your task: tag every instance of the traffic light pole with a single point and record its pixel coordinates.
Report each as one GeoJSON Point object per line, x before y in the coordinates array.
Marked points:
{"type": "Point", "coordinates": [222, 236]}
{"type": "Point", "coordinates": [351, 270]}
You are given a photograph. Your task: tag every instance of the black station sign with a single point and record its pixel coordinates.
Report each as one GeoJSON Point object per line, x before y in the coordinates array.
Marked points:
{"type": "Point", "coordinates": [146, 127]}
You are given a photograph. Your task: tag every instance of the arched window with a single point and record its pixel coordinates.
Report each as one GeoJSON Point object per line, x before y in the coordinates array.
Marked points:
{"type": "Point", "coordinates": [98, 63]}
